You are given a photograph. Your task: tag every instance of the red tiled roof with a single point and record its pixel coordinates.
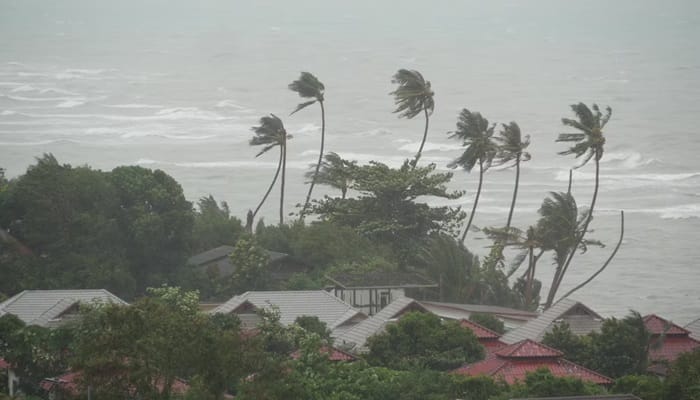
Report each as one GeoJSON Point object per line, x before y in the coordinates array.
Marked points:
{"type": "Point", "coordinates": [528, 349]}
{"type": "Point", "coordinates": [671, 347]}
{"type": "Point", "coordinates": [480, 331]}
{"type": "Point", "coordinates": [333, 354]}
{"type": "Point", "coordinates": [492, 345]}
{"type": "Point", "coordinates": [513, 362]}
{"type": "Point", "coordinates": [659, 326]}
{"type": "Point", "coordinates": [513, 371]}
{"type": "Point", "coordinates": [4, 364]}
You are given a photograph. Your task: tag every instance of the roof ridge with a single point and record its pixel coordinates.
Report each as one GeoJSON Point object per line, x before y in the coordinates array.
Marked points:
{"type": "Point", "coordinates": [508, 350]}
{"type": "Point", "coordinates": [668, 322]}
{"type": "Point", "coordinates": [564, 360]}
{"type": "Point", "coordinates": [13, 299]}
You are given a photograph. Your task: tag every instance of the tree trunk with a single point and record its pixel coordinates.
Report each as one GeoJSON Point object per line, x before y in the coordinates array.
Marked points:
{"type": "Point", "coordinates": [560, 276]}
{"type": "Point", "coordinates": [515, 191]}
{"type": "Point", "coordinates": [425, 137]}
{"type": "Point", "coordinates": [279, 166]}
{"type": "Point", "coordinates": [284, 170]}
{"type": "Point", "coordinates": [476, 200]}
{"type": "Point", "coordinates": [318, 164]}
{"type": "Point", "coordinates": [530, 276]}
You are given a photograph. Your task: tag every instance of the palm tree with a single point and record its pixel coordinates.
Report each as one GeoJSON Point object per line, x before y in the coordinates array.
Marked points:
{"type": "Point", "coordinates": [309, 87]}
{"type": "Point", "coordinates": [413, 96]}
{"type": "Point", "coordinates": [511, 148]}
{"type": "Point", "coordinates": [589, 144]}
{"type": "Point", "coordinates": [335, 172]}
{"type": "Point", "coordinates": [560, 227]}
{"type": "Point", "coordinates": [477, 136]}
{"type": "Point", "coordinates": [271, 133]}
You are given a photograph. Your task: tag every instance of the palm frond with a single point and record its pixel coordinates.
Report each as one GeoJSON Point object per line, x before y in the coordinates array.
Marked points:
{"type": "Point", "coordinates": [413, 94]}
{"type": "Point", "coordinates": [303, 105]}
{"type": "Point", "coordinates": [308, 86]}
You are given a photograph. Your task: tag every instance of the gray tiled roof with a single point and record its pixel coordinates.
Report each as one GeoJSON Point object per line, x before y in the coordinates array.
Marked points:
{"type": "Point", "coordinates": [359, 334]}
{"type": "Point", "coordinates": [210, 255]}
{"type": "Point", "coordinates": [39, 307]}
{"type": "Point", "coordinates": [535, 329]}
{"type": "Point", "coordinates": [694, 329]}
{"type": "Point", "coordinates": [460, 311]}
{"type": "Point", "coordinates": [295, 303]}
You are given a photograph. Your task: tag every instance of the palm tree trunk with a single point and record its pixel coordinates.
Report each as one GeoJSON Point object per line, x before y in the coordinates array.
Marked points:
{"type": "Point", "coordinates": [318, 164]}
{"type": "Point", "coordinates": [279, 166]}
{"type": "Point", "coordinates": [425, 137]}
{"type": "Point", "coordinates": [612, 255]}
{"type": "Point", "coordinates": [515, 191]}
{"type": "Point", "coordinates": [530, 274]}
{"type": "Point", "coordinates": [559, 277]}
{"type": "Point", "coordinates": [284, 170]}
{"type": "Point", "coordinates": [476, 200]}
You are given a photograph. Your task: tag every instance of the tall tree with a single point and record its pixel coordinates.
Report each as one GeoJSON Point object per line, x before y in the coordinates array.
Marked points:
{"type": "Point", "coordinates": [587, 143]}
{"type": "Point", "coordinates": [413, 96]}
{"type": "Point", "coordinates": [309, 87]}
{"type": "Point", "coordinates": [561, 225]}
{"type": "Point", "coordinates": [476, 135]}
{"type": "Point", "coordinates": [271, 134]}
{"type": "Point", "coordinates": [511, 149]}
{"type": "Point", "coordinates": [335, 172]}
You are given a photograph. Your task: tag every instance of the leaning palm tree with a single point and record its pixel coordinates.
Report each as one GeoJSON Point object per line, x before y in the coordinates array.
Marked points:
{"type": "Point", "coordinates": [511, 149]}
{"type": "Point", "coordinates": [561, 227]}
{"type": "Point", "coordinates": [477, 136]}
{"type": "Point", "coordinates": [309, 87]}
{"type": "Point", "coordinates": [271, 134]}
{"type": "Point", "coordinates": [589, 143]}
{"type": "Point", "coordinates": [335, 172]}
{"type": "Point", "coordinates": [413, 96]}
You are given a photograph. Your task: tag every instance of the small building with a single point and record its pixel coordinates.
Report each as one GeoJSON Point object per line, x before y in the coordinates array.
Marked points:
{"type": "Point", "coordinates": [52, 308]}
{"type": "Point", "coordinates": [356, 337]}
{"type": "Point", "coordinates": [581, 319]}
{"type": "Point", "coordinates": [512, 363]}
{"type": "Point", "coordinates": [668, 341]}
{"type": "Point", "coordinates": [488, 338]}
{"type": "Point", "coordinates": [512, 318]}
{"type": "Point", "coordinates": [216, 263]}
{"type": "Point", "coordinates": [370, 292]}
{"type": "Point", "coordinates": [291, 304]}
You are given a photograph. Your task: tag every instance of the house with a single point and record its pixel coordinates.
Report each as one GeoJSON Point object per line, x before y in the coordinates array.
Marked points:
{"type": "Point", "coordinates": [591, 397]}
{"type": "Point", "coordinates": [694, 329]}
{"type": "Point", "coordinates": [512, 363]}
{"type": "Point", "coordinates": [216, 263]}
{"type": "Point", "coordinates": [369, 292]}
{"type": "Point", "coordinates": [511, 317]}
{"type": "Point", "coordinates": [581, 319]}
{"type": "Point", "coordinates": [668, 341]}
{"type": "Point", "coordinates": [52, 308]}
{"type": "Point", "coordinates": [488, 338]}
{"type": "Point", "coordinates": [291, 304]}
{"type": "Point", "coordinates": [355, 337]}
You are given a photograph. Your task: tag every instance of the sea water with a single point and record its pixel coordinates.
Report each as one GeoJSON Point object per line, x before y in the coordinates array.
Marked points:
{"type": "Point", "coordinates": [176, 85]}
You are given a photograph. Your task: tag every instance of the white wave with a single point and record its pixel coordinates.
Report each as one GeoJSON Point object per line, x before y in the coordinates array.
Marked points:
{"type": "Point", "coordinates": [144, 134]}
{"type": "Point", "coordinates": [578, 175]}
{"type": "Point", "coordinates": [394, 160]}
{"type": "Point", "coordinates": [374, 132]}
{"type": "Point", "coordinates": [627, 159]}
{"type": "Point", "coordinates": [37, 99]}
{"type": "Point", "coordinates": [7, 113]}
{"type": "Point", "coordinates": [231, 104]}
{"type": "Point", "coordinates": [135, 105]}
{"type": "Point", "coordinates": [172, 114]}
{"type": "Point", "coordinates": [70, 104]}
{"type": "Point", "coordinates": [683, 211]}
{"type": "Point", "coordinates": [11, 84]}
{"type": "Point", "coordinates": [39, 143]}
{"type": "Point", "coordinates": [429, 146]}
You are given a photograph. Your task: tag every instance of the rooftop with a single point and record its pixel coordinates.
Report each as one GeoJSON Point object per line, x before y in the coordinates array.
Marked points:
{"type": "Point", "coordinates": [380, 279]}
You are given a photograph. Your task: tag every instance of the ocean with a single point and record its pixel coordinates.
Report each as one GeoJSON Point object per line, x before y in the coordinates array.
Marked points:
{"type": "Point", "coordinates": [177, 85]}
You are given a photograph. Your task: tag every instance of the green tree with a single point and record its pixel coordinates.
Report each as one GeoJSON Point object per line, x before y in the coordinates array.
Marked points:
{"type": "Point", "coordinates": [413, 96]}
{"type": "Point", "coordinates": [621, 347]}
{"type": "Point", "coordinates": [511, 149]}
{"type": "Point", "coordinates": [271, 134]}
{"type": "Point", "coordinates": [575, 348]}
{"type": "Point", "coordinates": [542, 383]}
{"type": "Point", "coordinates": [421, 340]}
{"type": "Point", "coordinates": [312, 324]}
{"type": "Point", "coordinates": [488, 321]}
{"type": "Point", "coordinates": [387, 209]}
{"type": "Point", "coordinates": [477, 137]}
{"type": "Point", "coordinates": [250, 262]}
{"type": "Point", "coordinates": [213, 225]}
{"type": "Point", "coordinates": [452, 265]}
{"type": "Point", "coordinates": [309, 87]}
{"type": "Point", "coordinates": [335, 172]}
{"type": "Point", "coordinates": [647, 387]}
{"type": "Point", "coordinates": [588, 143]}
{"type": "Point", "coordinates": [683, 381]}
